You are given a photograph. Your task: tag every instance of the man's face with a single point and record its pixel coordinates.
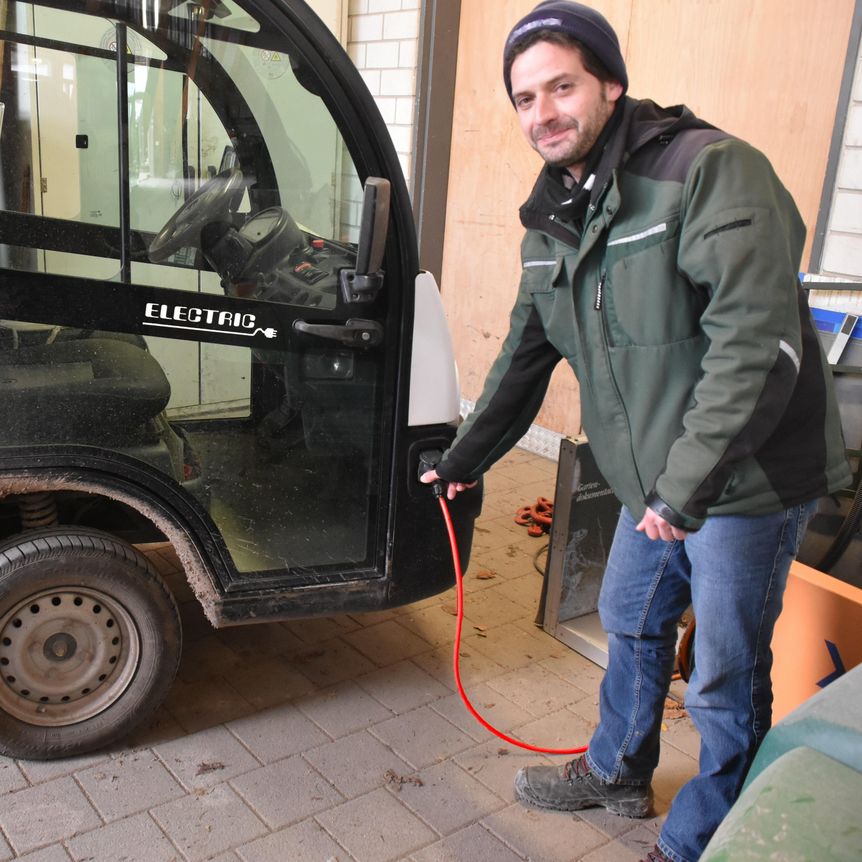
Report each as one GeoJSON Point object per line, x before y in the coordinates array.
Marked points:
{"type": "Point", "coordinates": [562, 108]}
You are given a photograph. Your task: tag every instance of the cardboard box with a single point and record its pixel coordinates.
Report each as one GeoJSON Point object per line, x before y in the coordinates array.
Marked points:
{"type": "Point", "coordinates": [817, 637]}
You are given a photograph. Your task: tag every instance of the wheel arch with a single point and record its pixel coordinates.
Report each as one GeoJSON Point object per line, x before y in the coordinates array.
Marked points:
{"type": "Point", "coordinates": [199, 566]}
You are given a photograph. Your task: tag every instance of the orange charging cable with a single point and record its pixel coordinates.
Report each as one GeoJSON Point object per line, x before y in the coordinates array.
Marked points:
{"type": "Point", "coordinates": [459, 582]}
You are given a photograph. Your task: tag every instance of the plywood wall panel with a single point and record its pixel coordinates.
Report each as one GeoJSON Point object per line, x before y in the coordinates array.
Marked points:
{"type": "Point", "coordinates": [767, 70]}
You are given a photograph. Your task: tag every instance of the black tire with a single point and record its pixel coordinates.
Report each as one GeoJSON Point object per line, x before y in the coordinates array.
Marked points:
{"type": "Point", "coordinates": [90, 641]}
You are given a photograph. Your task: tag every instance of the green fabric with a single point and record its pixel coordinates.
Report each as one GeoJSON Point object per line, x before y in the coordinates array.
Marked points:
{"type": "Point", "coordinates": [804, 807]}
{"type": "Point", "coordinates": [830, 721]}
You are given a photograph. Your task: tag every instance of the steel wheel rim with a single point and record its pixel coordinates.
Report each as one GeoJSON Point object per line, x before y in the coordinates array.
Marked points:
{"type": "Point", "coordinates": [66, 655]}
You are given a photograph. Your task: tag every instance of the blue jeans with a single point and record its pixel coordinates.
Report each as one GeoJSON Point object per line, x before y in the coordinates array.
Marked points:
{"type": "Point", "coordinates": [733, 572]}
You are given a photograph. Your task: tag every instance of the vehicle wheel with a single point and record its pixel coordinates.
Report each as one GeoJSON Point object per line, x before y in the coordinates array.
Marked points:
{"type": "Point", "coordinates": [90, 640]}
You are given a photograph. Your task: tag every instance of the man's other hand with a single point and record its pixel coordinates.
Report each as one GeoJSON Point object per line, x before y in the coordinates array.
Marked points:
{"type": "Point", "coordinates": [656, 527]}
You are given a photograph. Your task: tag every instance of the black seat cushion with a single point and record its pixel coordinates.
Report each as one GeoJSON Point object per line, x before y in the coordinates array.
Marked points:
{"type": "Point", "coordinates": [61, 391]}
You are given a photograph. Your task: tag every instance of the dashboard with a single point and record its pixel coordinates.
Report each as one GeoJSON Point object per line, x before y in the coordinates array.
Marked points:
{"type": "Point", "coordinates": [288, 264]}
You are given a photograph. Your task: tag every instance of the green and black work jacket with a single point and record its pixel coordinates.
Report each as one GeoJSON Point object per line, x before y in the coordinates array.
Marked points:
{"type": "Point", "coordinates": [675, 298]}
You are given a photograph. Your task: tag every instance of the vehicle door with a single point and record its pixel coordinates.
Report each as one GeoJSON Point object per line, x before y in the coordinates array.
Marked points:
{"type": "Point", "coordinates": [182, 193]}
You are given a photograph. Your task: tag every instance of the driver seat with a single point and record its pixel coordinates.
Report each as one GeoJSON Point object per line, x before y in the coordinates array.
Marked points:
{"type": "Point", "coordinates": [79, 391]}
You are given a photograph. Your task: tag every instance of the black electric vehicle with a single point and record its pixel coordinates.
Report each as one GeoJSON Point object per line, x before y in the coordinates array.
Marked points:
{"type": "Point", "coordinates": [213, 331]}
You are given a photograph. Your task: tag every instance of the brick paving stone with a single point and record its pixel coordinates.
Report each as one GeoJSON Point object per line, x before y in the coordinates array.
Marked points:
{"type": "Point", "coordinates": [206, 658]}
{"type": "Point", "coordinates": [320, 629]}
{"type": "Point", "coordinates": [44, 814]}
{"type": "Point", "coordinates": [208, 822]}
{"type": "Point", "coordinates": [494, 533]}
{"type": "Point", "coordinates": [127, 784]}
{"type": "Point", "coordinates": [5, 849]}
{"type": "Point", "coordinates": [304, 842]}
{"type": "Point", "coordinates": [54, 853]}
{"type": "Point", "coordinates": [639, 840]}
{"type": "Point", "coordinates": [613, 852]}
{"type": "Point", "coordinates": [387, 643]}
{"type": "Point", "coordinates": [682, 735]}
{"type": "Point", "coordinates": [447, 797]}
{"type": "Point", "coordinates": [402, 687]}
{"type": "Point", "coordinates": [495, 763]}
{"type": "Point", "coordinates": [277, 733]}
{"type": "Point", "coordinates": [207, 758]}
{"type": "Point", "coordinates": [422, 737]}
{"type": "Point", "coordinates": [376, 828]}
{"type": "Point", "coordinates": [563, 729]}
{"type": "Point", "coordinates": [490, 704]}
{"type": "Point", "coordinates": [544, 836]}
{"type": "Point", "coordinates": [514, 646]}
{"type": "Point", "coordinates": [508, 501]}
{"type": "Point", "coordinates": [474, 843]}
{"type": "Point", "coordinates": [357, 763]}
{"type": "Point", "coordinates": [330, 662]}
{"type": "Point", "coordinates": [343, 709]}
{"type": "Point", "coordinates": [537, 690]}
{"type": "Point", "coordinates": [11, 777]}
{"type": "Point", "coordinates": [268, 682]}
{"type": "Point", "coordinates": [371, 618]}
{"type": "Point", "coordinates": [475, 667]}
{"type": "Point", "coordinates": [523, 590]}
{"type": "Point", "coordinates": [500, 479]}
{"type": "Point", "coordinates": [135, 839]}
{"type": "Point", "coordinates": [39, 771]}
{"type": "Point", "coordinates": [576, 669]}
{"type": "Point", "coordinates": [249, 643]}
{"type": "Point", "coordinates": [674, 770]}
{"type": "Point", "coordinates": [204, 704]}
{"type": "Point", "coordinates": [163, 727]}
{"type": "Point", "coordinates": [491, 609]}
{"type": "Point", "coordinates": [609, 824]}
{"type": "Point", "coordinates": [432, 624]}
{"type": "Point", "coordinates": [286, 792]}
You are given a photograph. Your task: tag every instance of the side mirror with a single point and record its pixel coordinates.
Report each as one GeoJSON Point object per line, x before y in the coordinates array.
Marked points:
{"type": "Point", "coordinates": [364, 283]}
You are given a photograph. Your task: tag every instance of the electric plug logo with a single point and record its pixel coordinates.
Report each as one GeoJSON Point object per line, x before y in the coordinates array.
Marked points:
{"type": "Point", "coordinates": [231, 322]}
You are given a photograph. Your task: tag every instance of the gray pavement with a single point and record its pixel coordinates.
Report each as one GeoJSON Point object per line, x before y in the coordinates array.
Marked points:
{"type": "Point", "coordinates": [344, 740]}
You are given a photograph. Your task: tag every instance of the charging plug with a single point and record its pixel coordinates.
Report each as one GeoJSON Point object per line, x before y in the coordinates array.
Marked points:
{"type": "Point", "coordinates": [428, 460]}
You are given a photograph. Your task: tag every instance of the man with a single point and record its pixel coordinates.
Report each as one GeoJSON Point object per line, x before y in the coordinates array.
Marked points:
{"type": "Point", "coordinates": [660, 260]}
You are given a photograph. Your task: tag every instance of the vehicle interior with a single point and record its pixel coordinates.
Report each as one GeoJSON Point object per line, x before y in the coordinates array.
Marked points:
{"type": "Point", "coordinates": [177, 206]}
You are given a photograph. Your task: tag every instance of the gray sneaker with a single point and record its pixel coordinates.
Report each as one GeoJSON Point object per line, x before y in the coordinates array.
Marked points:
{"type": "Point", "coordinates": [573, 787]}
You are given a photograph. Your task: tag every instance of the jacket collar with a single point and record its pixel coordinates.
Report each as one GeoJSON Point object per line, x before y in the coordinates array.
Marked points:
{"type": "Point", "coordinates": [635, 124]}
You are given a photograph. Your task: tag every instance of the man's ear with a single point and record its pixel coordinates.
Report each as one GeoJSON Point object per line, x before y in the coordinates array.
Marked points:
{"type": "Point", "coordinates": [613, 90]}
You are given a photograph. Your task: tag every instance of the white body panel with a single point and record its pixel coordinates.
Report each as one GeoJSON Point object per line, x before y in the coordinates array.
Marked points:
{"type": "Point", "coordinates": [434, 392]}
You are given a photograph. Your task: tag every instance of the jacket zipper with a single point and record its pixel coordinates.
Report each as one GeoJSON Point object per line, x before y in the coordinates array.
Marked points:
{"type": "Point", "coordinates": [600, 291]}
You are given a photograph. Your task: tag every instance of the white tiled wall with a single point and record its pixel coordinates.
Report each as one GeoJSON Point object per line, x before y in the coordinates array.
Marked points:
{"type": "Point", "coordinates": [383, 42]}
{"type": "Point", "coordinates": [842, 252]}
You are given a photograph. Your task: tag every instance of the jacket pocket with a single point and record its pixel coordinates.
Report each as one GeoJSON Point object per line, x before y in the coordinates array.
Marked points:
{"type": "Point", "coordinates": [647, 300]}
{"type": "Point", "coordinates": [541, 274]}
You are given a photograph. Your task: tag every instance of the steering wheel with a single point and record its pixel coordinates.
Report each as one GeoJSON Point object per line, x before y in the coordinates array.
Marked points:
{"type": "Point", "coordinates": [209, 203]}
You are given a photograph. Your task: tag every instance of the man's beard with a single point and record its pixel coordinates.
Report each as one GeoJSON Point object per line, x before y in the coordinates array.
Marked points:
{"type": "Point", "coordinates": [576, 151]}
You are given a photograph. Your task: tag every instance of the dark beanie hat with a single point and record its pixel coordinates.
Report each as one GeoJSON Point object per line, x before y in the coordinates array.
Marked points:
{"type": "Point", "coordinates": [576, 20]}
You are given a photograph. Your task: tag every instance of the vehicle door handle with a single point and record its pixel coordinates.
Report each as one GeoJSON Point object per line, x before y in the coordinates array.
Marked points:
{"type": "Point", "coordinates": [354, 333]}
